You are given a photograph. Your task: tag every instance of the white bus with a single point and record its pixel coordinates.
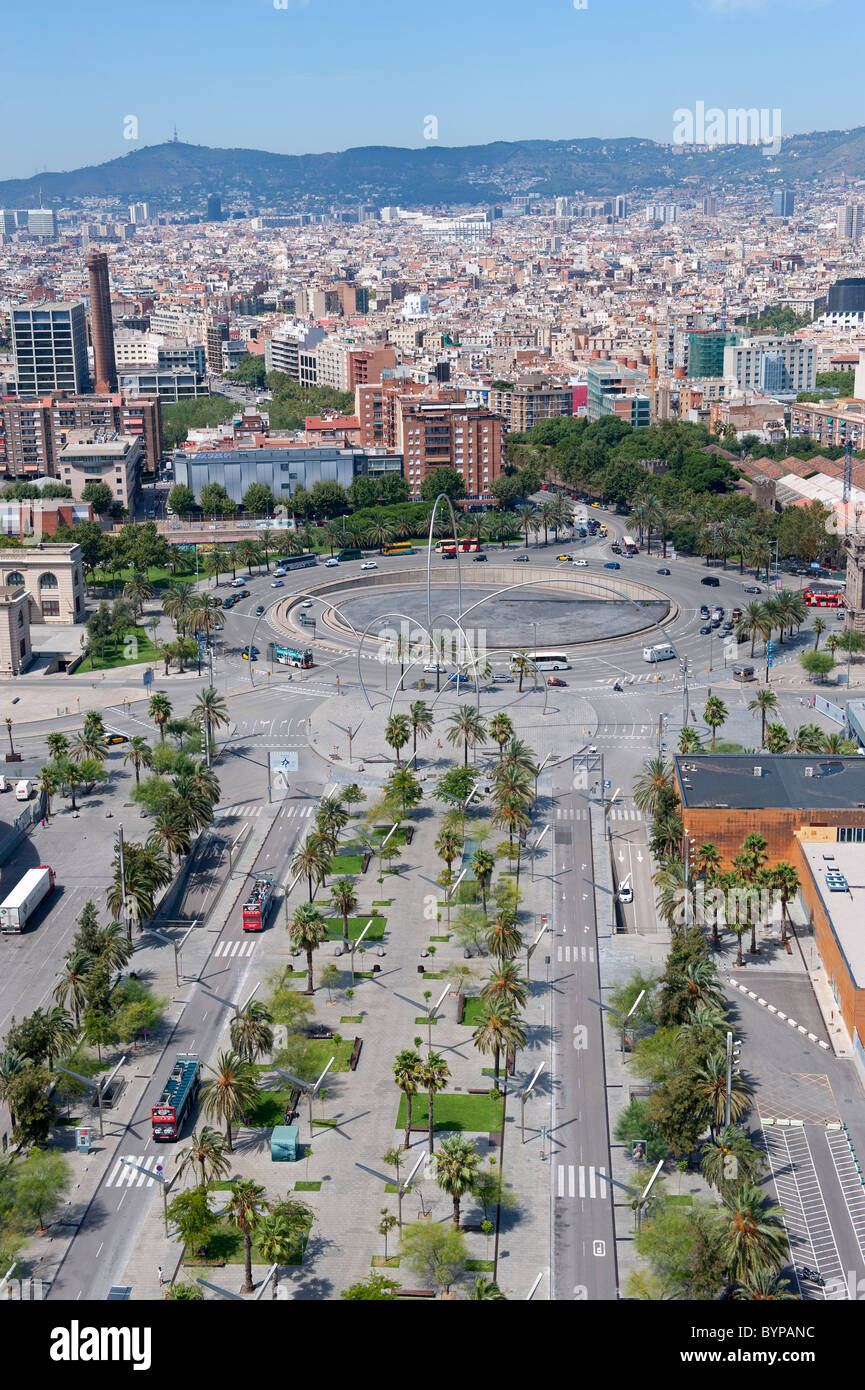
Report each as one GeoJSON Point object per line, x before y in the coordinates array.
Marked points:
{"type": "Point", "coordinates": [546, 661]}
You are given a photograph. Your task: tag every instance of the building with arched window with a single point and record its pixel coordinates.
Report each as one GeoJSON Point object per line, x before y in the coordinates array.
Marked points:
{"type": "Point", "coordinates": [52, 577]}
{"type": "Point", "coordinates": [15, 649]}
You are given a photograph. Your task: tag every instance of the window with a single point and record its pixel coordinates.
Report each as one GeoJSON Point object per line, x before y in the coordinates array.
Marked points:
{"type": "Point", "coordinates": [20, 618]}
{"type": "Point", "coordinates": [15, 580]}
{"type": "Point", "coordinates": [48, 581]}
{"type": "Point", "coordinates": [851, 833]}
{"type": "Point", "coordinates": [50, 608]}
{"type": "Point", "coordinates": [22, 647]}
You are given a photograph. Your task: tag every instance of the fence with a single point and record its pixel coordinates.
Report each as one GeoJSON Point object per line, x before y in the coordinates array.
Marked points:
{"type": "Point", "coordinates": [33, 811]}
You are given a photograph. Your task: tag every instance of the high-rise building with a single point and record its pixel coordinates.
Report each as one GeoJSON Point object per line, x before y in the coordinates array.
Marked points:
{"type": "Point", "coordinates": [775, 365]}
{"type": "Point", "coordinates": [706, 352]}
{"type": "Point", "coordinates": [709, 206]}
{"type": "Point", "coordinates": [139, 213]}
{"type": "Point", "coordinates": [431, 434]}
{"type": "Point", "coordinates": [529, 401]}
{"type": "Point", "coordinates": [101, 325]}
{"type": "Point", "coordinates": [216, 335]}
{"type": "Point", "coordinates": [49, 344]}
{"type": "Point", "coordinates": [42, 222]}
{"type": "Point", "coordinates": [851, 221]}
{"type": "Point", "coordinates": [621, 206]}
{"type": "Point", "coordinates": [33, 431]}
{"type": "Point", "coordinates": [616, 390]}
{"type": "Point", "coordinates": [214, 208]}
{"type": "Point", "coordinates": [782, 203]}
{"type": "Point", "coordinates": [846, 297]}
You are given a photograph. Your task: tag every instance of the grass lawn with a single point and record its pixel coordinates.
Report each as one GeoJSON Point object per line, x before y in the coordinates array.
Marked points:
{"type": "Point", "coordinates": [477, 1114]}
{"type": "Point", "coordinates": [397, 838]}
{"type": "Point", "coordinates": [307, 1187]}
{"type": "Point", "coordinates": [382, 902]}
{"type": "Point", "coordinates": [351, 1018]}
{"type": "Point", "coordinates": [112, 653]}
{"type": "Point", "coordinates": [429, 976]}
{"type": "Point", "coordinates": [346, 864]}
{"type": "Point", "coordinates": [356, 926]}
{"type": "Point", "coordinates": [379, 1262]}
{"type": "Point", "coordinates": [325, 1124]}
{"type": "Point", "coordinates": [440, 938]}
{"type": "Point", "coordinates": [226, 1244]}
{"type": "Point", "coordinates": [683, 1201]}
{"type": "Point", "coordinates": [423, 1019]}
{"type": "Point", "coordinates": [479, 1266]}
{"type": "Point", "coordinates": [158, 575]}
{"type": "Point", "coordinates": [473, 1010]}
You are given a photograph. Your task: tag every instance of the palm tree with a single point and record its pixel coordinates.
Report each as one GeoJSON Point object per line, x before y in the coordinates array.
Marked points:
{"type": "Point", "coordinates": [433, 1076]}
{"type": "Point", "coordinates": [232, 1092]}
{"type": "Point", "coordinates": [809, 739]}
{"type": "Point", "coordinates": [449, 845]}
{"type": "Point", "coordinates": [58, 745]}
{"type": "Point", "coordinates": [177, 604]}
{"type": "Point", "coordinates": [159, 709]}
{"type": "Point", "coordinates": [48, 785]}
{"type": "Point", "coordinates": [265, 541]}
{"type": "Point", "coordinates": [516, 756]}
{"type": "Point", "coordinates": [406, 1074]}
{"type": "Point", "coordinates": [755, 1237]}
{"type": "Point", "coordinates": [506, 985]}
{"type": "Point", "coordinates": [485, 1290]}
{"type": "Point", "coordinates": [139, 754]}
{"type": "Point", "coordinates": [278, 1231]}
{"type": "Point", "coordinates": [466, 727]}
{"type": "Point", "coordinates": [731, 1152]}
{"type": "Point", "coordinates": [171, 832]}
{"type": "Point", "coordinates": [203, 614]}
{"type": "Point", "coordinates": [244, 1211]}
{"type": "Point", "coordinates": [137, 591]}
{"type": "Point", "coordinates": [379, 533]}
{"type": "Point", "coordinates": [421, 721]}
{"type": "Point", "coordinates": [87, 744]}
{"type": "Point", "coordinates": [251, 1031]}
{"type": "Point", "coordinates": [652, 783]}
{"type": "Point", "coordinates": [60, 1033]}
{"type": "Point", "coordinates": [754, 623]}
{"type": "Point", "coordinates": [113, 949]}
{"type": "Point", "coordinates": [457, 1169]}
{"type": "Point", "coordinates": [700, 982]}
{"type": "Point", "coordinates": [308, 930]}
{"type": "Point", "coordinates": [210, 712]}
{"type": "Point", "coordinates": [483, 863]}
{"type": "Point", "coordinates": [712, 1085]}
{"type": "Point", "coordinates": [689, 740]}
{"type": "Point", "coordinates": [765, 701]}
{"type": "Point", "coordinates": [819, 628]}
{"type": "Point", "coordinates": [521, 664]}
{"type": "Point", "coordinates": [511, 814]}
{"type": "Point", "coordinates": [206, 1151]}
{"type": "Point", "coordinates": [837, 743]}
{"type": "Point", "coordinates": [764, 1284]}
{"type": "Point", "coordinates": [248, 554]}
{"type": "Point", "coordinates": [499, 1030]}
{"type": "Point", "coordinates": [715, 714]}
{"type": "Point", "coordinates": [785, 881]}
{"type": "Point", "coordinates": [11, 1065]}
{"type": "Point", "coordinates": [331, 816]}
{"type": "Point", "coordinates": [777, 739]}
{"type": "Point", "coordinates": [501, 730]}
{"type": "Point", "coordinates": [312, 860]}
{"type": "Point", "coordinates": [397, 732]}
{"type": "Point", "coordinates": [707, 859]}
{"type": "Point", "coordinates": [344, 900]}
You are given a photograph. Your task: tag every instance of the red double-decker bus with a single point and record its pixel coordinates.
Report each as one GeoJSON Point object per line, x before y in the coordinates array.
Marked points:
{"type": "Point", "coordinates": [824, 598]}
{"type": "Point", "coordinates": [258, 905]}
{"type": "Point", "coordinates": [467, 547]}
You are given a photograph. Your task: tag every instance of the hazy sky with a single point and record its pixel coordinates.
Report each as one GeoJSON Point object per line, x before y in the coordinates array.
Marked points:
{"type": "Point", "coordinates": [328, 74]}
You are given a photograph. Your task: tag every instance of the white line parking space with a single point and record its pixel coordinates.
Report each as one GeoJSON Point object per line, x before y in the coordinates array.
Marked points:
{"type": "Point", "coordinates": [851, 1183]}
{"type": "Point", "coordinates": [812, 1241]}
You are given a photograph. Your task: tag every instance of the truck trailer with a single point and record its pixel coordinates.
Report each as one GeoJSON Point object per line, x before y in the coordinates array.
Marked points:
{"type": "Point", "coordinates": [25, 897]}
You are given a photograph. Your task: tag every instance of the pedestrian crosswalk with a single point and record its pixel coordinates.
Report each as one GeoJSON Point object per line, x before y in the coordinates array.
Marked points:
{"type": "Point", "coordinates": [252, 809]}
{"type": "Point", "coordinates": [580, 1180]}
{"type": "Point", "coordinates": [123, 1174]}
{"type": "Point", "coordinates": [580, 953]}
{"type": "Point", "coordinates": [572, 813]}
{"type": "Point", "coordinates": [229, 949]}
{"type": "Point", "coordinates": [625, 813]}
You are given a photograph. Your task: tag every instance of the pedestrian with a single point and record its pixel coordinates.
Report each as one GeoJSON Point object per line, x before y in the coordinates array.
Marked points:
{"type": "Point", "coordinates": [159, 1275]}
{"type": "Point", "coordinates": [43, 822]}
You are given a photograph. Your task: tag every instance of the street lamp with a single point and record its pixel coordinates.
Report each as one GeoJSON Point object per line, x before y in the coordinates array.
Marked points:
{"type": "Point", "coordinates": [308, 1090]}
{"type": "Point", "coordinates": [401, 1187]}
{"type": "Point", "coordinates": [178, 946]}
{"type": "Point", "coordinates": [535, 846]}
{"type": "Point", "coordinates": [531, 949]}
{"type": "Point", "coordinates": [431, 1013]}
{"type": "Point", "coordinates": [97, 1086]}
{"type": "Point", "coordinates": [449, 891]}
{"type": "Point", "coordinates": [157, 1173]}
{"type": "Point", "coordinates": [624, 1017]}
{"type": "Point", "coordinates": [524, 1094]}
{"type": "Point", "coordinates": [354, 945]}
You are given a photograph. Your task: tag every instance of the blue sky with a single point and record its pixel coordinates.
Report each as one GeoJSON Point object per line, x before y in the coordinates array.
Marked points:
{"type": "Point", "coordinates": [327, 74]}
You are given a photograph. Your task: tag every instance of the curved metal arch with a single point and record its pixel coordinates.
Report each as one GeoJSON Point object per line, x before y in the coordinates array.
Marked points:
{"type": "Point", "coordinates": [381, 617]}
{"type": "Point", "coordinates": [458, 624]}
{"type": "Point", "coordinates": [442, 497]}
{"type": "Point", "coordinates": [286, 598]}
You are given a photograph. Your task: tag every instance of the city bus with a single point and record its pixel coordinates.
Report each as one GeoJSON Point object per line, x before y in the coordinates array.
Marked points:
{"type": "Point", "coordinates": [467, 546]}
{"type": "Point", "coordinates": [824, 598]}
{"type": "Point", "coordinates": [398, 548]}
{"type": "Point", "coordinates": [351, 552]}
{"type": "Point", "coordinates": [256, 908]}
{"type": "Point", "coordinates": [297, 562]}
{"type": "Point", "coordinates": [545, 661]}
{"type": "Point", "coordinates": [293, 656]}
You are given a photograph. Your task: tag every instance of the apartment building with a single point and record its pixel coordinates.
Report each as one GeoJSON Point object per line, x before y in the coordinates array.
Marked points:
{"type": "Point", "coordinates": [376, 407]}
{"type": "Point", "coordinates": [851, 222]}
{"type": "Point", "coordinates": [775, 365]}
{"type": "Point", "coordinates": [169, 386]}
{"type": "Point", "coordinates": [49, 345]}
{"type": "Point", "coordinates": [616, 390]}
{"type": "Point", "coordinates": [530, 400]}
{"type": "Point", "coordinates": [434, 434]}
{"type": "Point", "coordinates": [33, 432]}
{"type": "Point", "coordinates": [282, 351]}
{"type": "Point", "coordinates": [97, 456]}
{"type": "Point", "coordinates": [830, 422]}
{"type": "Point", "coordinates": [343, 368]}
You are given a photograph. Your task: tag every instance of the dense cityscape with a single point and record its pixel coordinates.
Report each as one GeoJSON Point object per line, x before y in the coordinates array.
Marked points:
{"type": "Point", "coordinates": [418, 932]}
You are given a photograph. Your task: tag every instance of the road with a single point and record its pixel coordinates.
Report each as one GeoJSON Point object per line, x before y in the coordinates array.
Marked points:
{"type": "Point", "coordinates": [584, 1246]}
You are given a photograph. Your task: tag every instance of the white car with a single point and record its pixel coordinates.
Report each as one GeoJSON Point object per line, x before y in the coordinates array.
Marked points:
{"type": "Point", "coordinates": [237, 583]}
{"type": "Point", "coordinates": [579, 562]}
{"type": "Point", "coordinates": [369, 565]}
{"type": "Point", "coordinates": [307, 603]}
{"type": "Point", "coordinates": [626, 895]}
{"type": "Point", "coordinates": [277, 584]}
{"type": "Point", "coordinates": [331, 564]}
{"type": "Point", "coordinates": [431, 666]}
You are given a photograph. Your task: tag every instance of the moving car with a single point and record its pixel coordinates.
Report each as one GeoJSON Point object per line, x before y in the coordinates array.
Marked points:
{"type": "Point", "coordinates": [616, 548]}
{"type": "Point", "coordinates": [566, 558]}
{"type": "Point", "coordinates": [612, 565]}
{"type": "Point", "coordinates": [579, 562]}
{"type": "Point", "coordinates": [717, 611]}
{"type": "Point", "coordinates": [737, 614]}
{"type": "Point", "coordinates": [712, 581]}
{"type": "Point", "coordinates": [431, 666]}
{"type": "Point", "coordinates": [246, 656]}
{"type": "Point", "coordinates": [369, 565]}
{"type": "Point", "coordinates": [237, 583]}
{"type": "Point", "coordinates": [307, 603]}
{"type": "Point", "coordinates": [277, 584]}
{"type": "Point", "coordinates": [753, 589]}
{"type": "Point", "coordinates": [626, 894]}
{"type": "Point", "coordinates": [663, 571]}
{"type": "Point", "coordinates": [331, 564]}
{"type": "Point", "coordinates": [706, 628]}
{"type": "Point", "coordinates": [476, 559]}
{"type": "Point", "coordinates": [704, 610]}
{"type": "Point", "coordinates": [111, 739]}
{"type": "Point", "coordinates": [554, 680]}
{"type": "Point", "coordinates": [260, 609]}
{"type": "Point", "coordinates": [459, 679]}
{"type": "Point", "coordinates": [521, 559]}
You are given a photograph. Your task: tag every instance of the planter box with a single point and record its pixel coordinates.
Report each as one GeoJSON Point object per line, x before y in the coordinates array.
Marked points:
{"type": "Point", "coordinates": [355, 1054]}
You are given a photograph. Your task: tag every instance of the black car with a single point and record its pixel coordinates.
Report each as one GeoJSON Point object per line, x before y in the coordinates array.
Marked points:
{"type": "Point", "coordinates": [521, 559]}
{"type": "Point", "coordinates": [712, 580]}
{"type": "Point", "coordinates": [705, 629]}
{"type": "Point", "coordinates": [479, 559]}
{"type": "Point", "coordinates": [260, 608]}
{"type": "Point", "coordinates": [704, 610]}
{"type": "Point", "coordinates": [663, 571]}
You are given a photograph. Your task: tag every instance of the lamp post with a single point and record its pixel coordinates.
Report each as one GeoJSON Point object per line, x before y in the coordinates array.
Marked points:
{"type": "Point", "coordinates": [449, 891]}
{"type": "Point", "coordinates": [524, 1094]}
{"type": "Point", "coordinates": [431, 1013]}
{"type": "Point", "coordinates": [178, 946]}
{"type": "Point", "coordinates": [354, 945]}
{"type": "Point", "coordinates": [624, 1017]}
{"type": "Point", "coordinates": [118, 840]}
{"type": "Point", "coordinates": [157, 1173]}
{"type": "Point", "coordinates": [401, 1187]}
{"type": "Point", "coordinates": [531, 949]}
{"type": "Point", "coordinates": [97, 1086]}
{"type": "Point", "coordinates": [535, 846]}
{"type": "Point", "coordinates": [309, 1091]}
{"type": "Point", "coordinates": [539, 771]}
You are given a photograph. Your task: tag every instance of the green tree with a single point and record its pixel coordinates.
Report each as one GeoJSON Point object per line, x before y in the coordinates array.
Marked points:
{"type": "Point", "coordinates": [434, 1252]}
{"type": "Point", "coordinates": [651, 784]}
{"type": "Point", "coordinates": [181, 500]}
{"type": "Point", "coordinates": [41, 1181]}
{"type": "Point", "coordinates": [499, 1030]}
{"type": "Point", "coordinates": [466, 727]}
{"type": "Point", "coordinates": [421, 721]}
{"type": "Point", "coordinates": [443, 480]}
{"type": "Point", "coordinates": [206, 1152]}
{"type": "Point", "coordinates": [344, 900]}
{"type": "Point", "coordinates": [715, 714]}
{"type": "Point", "coordinates": [258, 499]}
{"type": "Point", "coordinates": [159, 709]}
{"type": "Point", "coordinates": [765, 1284]}
{"type": "Point", "coordinates": [244, 1211]}
{"type": "Point", "coordinates": [28, 1099]}
{"type": "Point", "coordinates": [193, 1218]}
{"type": "Point", "coordinates": [99, 495]}
{"type": "Point", "coordinates": [485, 1290]}
{"type": "Point", "coordinates": [456, 1169]}
{"type": "Point", "coordinates": [397, 731]}
{"type": "Point", "coordinates": [731, 1159]}
{"type": "Point", "coordinates": [754, 1234]}
{"type": "Point", "coordinates": [251, 1031]}
{"type": "Point", "coordinates": [312, 861]}
{"type": "Point", "coordinates": [433, 1074]}
{"type": "Point", "coordinates": [375, 1288]}
{"type": "Point", "coordinates": [817, 664]}
{"type": "Point", "coordinates": [482, 864]}
{"type": "Point", "coordinates": [233, 1091]}
{"type": "Point", "coordinates": [308, 931]}
{"type": "Point", "coordinates": [278, 1232]}
{"type": "Point", "coordinates": [406, 1074]}
{"type": "Point", "coordinates": [765, 701]}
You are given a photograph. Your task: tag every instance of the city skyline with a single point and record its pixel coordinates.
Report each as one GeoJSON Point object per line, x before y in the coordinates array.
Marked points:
{"type": "Point", "coordinates": [370, 89]}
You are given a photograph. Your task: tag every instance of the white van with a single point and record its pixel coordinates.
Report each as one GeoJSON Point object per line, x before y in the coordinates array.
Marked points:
{"type": "Point", "coordinates": [664, 652]}
{"type": "Point", "coordinates": [23, 789]}
{"type": "Point", "coordinates": [4, 785]}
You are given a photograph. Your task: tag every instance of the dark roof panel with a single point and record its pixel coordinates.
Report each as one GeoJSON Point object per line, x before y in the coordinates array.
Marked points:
{"type": "Point", "coordinates": [729, 780]}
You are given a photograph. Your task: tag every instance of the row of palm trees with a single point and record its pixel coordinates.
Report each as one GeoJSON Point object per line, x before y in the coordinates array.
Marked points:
{"type": "Point", "coordinates": [781, 613]}
{"type": "Point", "coordinates": [774, 736]}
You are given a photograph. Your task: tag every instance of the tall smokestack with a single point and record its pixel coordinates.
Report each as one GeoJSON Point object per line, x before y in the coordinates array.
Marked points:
{"type": "Point", "coordinates": [101, 325]}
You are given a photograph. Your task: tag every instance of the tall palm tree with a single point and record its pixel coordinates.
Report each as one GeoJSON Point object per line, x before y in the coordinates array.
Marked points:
{"type": "Point", "coordinates": [506, 985]}
{"type": "Point", "coordinates": [765, 701]}
{"type": "Point", "coordinates": [232, 1092]}
{"type": "Point", "coordinates": [516, 756]}
{"type": "Point", "coordinates": [754, 623]}
{"type": "Point", "coordinates": [765, 1284]}
{"type": "Point", "coordinates": [210, 713]}
{"type": "Point", "coordinates": [139, 754]}
{"type": "Point", "coordinates": [521, 664]}
{"type": "Point", "coordinates": [406, 1074]}
{"type": "Point", "coordinates": [58, 745]}
{"type": "Point", "coordinates": [785, 881]}
{"type": "Point", "coordinates": [755, 1237]}
{"type": "Point", "coordinates": [715, 714]}
{"type": "Point", "coordinates": [819, 627]}
{"type": "Point", "coordinates": [707, 859]}
{"type": "Point", "coordinates": [511, 814]}
{"type": "Point", "coordinates": [244, 1210]}
{"type": "Point", "coordinates": [48, 784]}
{"type": "Point", "coordinates": [711, 1081]}
{"type": "Point", "coordinates": [449, 845]}
{"type": "Point", "coordinates": [421, 721]}
{"type": "Point", "coordinates": [206, 1152]}
{"type": "Point", "coordinates": [277, 1233]}
{"type": "Point", "coordinates": [501, 730]}
{"type": "Point", "coordinates": [87, 744]}
{"type": "Point", "coordinates": [457, 1169]}
{"type": "Point", "coordinates": [652, 783]}
{"type": "Point", "coordinates": [777, 739]}
{"type": "Point", "coordinates": [344, 900]}
{"type": "Point", "coordinates": [265, 541]}
{"type": "Point", "coordinates": [203, 614]}
{"type": "Point", "coordinates": [308, 930]}
{"type": "Point", "coordinates": [177, 604]}
{"type": "Point", "coordinates": [171, 832]}
{"type": "Point", "coordinates": [808, 739]}
{"type": "Point", "coordinates": [251, 1031]}
{"type": "Point", "coordinates": [397, 732]}
{"type": "Point", "coordinates": [159, 709]}
{"type": "Point", "coordinates": [137, 591]}
{"type": "Point", "coordinates": [331, 816]}
{"type": "Point", "coordinates": [499, 1030]}
{"type": "Point", "coordinates": [113, 949]}
{"type": "Point", "coordinates": [312, 861]}
{"type": "Point", "coordinates": [433, 1074]}
{"type": "Point", "coordinates": [11, 1065]}
{"type": "Point", "coordinates": [482, 865]}
{"type": "Point", "coordinates": [60, 1033]}
{"type": "Point", "coordinates": [379, 533]}
{"type": "Point", "coordinates": [466, 727]}
{"type": "Point", "coordinates": [689, 740]}
{"type": "Point", "coordinates": [731, 1151]}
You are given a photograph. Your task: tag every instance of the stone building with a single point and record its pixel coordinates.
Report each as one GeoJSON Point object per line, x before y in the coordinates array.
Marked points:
{"type": "Point", "coordinates": [53, 578]}
{"type": "Point", "coordinates": [15, 649]}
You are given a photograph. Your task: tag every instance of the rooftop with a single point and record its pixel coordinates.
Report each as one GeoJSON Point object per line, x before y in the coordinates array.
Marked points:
{"type": "Point", "coordinates": [844, 909]}
{"type": "Point", "coordinates": [788, 781]}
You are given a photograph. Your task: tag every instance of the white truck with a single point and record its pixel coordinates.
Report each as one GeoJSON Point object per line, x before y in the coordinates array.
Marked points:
{"type": "Point", "coordinates": [663, 652]}
{"type": "Point", "coordinates": [22, 902]}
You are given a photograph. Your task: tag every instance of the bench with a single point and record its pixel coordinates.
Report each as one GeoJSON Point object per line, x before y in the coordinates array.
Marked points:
{"type": "Point", "coordinates": [320, 1033]}
{"type": "Point", "coordinates": [461, 1004]}
{"type": "Point", "coordinates": [355, 1054]}
{"type": "Point", "coordinates": [415, 1293]}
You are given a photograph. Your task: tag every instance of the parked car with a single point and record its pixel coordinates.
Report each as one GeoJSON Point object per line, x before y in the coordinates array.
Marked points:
{"type": "Point", "coordinates": [503, 676]}
{"type": "Point", "coordinates": [431, 666]}
{"type": "Point", "coordinates": [612, 565]}
{"type": "Point", "coordinates": [369, 565]}
{"type": "Point", "coordinates": [521, 559]}
{"type": "Point", "coordinates": [717, 612]}
{"type": "Point", "coordinates": [459, 679]}
{"type": "Point", "coordinates": [554, 680]}
{"type": "Point", "coordinates": [704, 610]}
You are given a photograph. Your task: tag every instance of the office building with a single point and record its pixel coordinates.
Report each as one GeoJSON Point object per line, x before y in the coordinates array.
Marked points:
{"type": "Point", "coordinates": [49, 344]}
{"type": "Point", "coordinates": [42, 222]}
{"type": "Point", "coordinates": [846, 297]}
{"type": "Point", "coordinates": [782, 203]}
{"type": "Point", "coordinates": [101, 325]}
{"type": "Point", "coordinates": [616, 390]}
{"type": "Point", "coordinates": [622, 208]}
{"type": "Point", "coordinates": [139, 214]}
{"type": "Point", "coordinates": [281, 466]}
{"type": "Point", "coordinates": [33, 431]}
{"type": "Point", "coordinates": [214, 208]}
{"type": "Point", "coordinates": [774, 365]}
{"type": "Point", "coordinates": [851, 218]}
{"type": "Point", "coordinates": [709, 205]}
{"type": "Point", "coordinates": [97, 456]}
